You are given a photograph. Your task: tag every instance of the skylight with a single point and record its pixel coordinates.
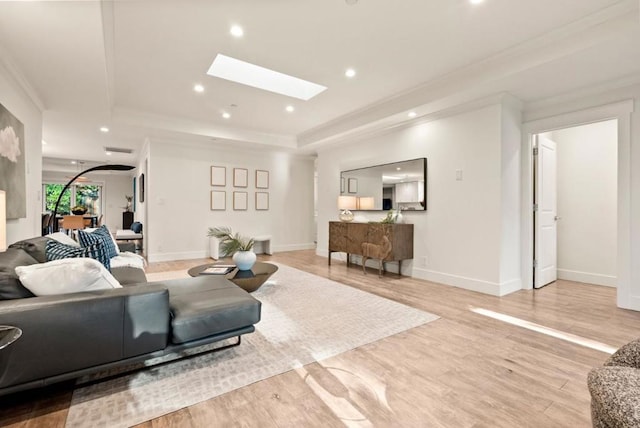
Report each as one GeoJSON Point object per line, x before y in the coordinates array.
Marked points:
{"type": "Point", "coordinates": [253, 75]}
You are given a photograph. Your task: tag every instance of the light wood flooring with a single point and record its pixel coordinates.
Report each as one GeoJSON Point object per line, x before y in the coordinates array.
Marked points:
{"type": "Point", "coordinates": [463, 370]}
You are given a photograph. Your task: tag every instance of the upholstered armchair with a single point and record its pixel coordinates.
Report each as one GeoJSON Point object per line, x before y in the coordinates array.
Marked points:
{"type": "Point", "coordinates": [615, 389]}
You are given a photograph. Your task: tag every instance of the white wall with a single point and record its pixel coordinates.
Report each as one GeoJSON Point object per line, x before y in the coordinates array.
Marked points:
{"type": "Point", "coordinates": [459, 239]}
{"type": "Point", "coordinates": [16, 100]}
{"type": "Point", "coordinates": [178, 199]}
{"type": "Point", "coordinates": [587, 202]}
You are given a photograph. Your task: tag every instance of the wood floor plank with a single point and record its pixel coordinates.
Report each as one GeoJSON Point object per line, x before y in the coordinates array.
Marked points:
{"type": "Point", "coordinates": [463, 370]}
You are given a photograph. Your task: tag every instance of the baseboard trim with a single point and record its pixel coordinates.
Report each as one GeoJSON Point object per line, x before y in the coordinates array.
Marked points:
{"type": "Point", "coordinates": [293, 247]}
{"type": "Point", "coordinates": [588, 277]}
{"type": "Point", "coordinates": [168, 257]}
{"type": "Point", "coordinates": [472, 284]}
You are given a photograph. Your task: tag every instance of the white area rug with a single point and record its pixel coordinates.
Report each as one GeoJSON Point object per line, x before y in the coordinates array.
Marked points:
{"type": "Point", "coordinates": [305, 318]}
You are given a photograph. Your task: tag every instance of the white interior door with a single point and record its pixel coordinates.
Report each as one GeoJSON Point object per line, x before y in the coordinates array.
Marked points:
{"type": "Point", "coordinates": [546, 234]}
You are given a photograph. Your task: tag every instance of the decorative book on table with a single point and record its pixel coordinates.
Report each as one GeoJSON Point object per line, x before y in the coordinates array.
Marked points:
{"type": "Point", "coordinates": [218, 270]}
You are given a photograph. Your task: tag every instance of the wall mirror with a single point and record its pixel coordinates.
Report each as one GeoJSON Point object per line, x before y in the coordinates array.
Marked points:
{"type": "Point", "coordinates": [398, 185]}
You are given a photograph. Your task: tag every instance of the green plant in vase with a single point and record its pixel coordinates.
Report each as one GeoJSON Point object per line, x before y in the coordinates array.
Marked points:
{"type": "Point", "coordinates": [236, 245]}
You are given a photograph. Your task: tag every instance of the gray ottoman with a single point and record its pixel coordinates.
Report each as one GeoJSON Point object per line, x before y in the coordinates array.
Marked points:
{"type": "Point", "coordinates": [207, 305]}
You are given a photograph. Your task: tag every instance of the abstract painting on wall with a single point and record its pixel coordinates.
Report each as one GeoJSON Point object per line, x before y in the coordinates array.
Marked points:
{"type": "Point", "coordinates": [12, 165]}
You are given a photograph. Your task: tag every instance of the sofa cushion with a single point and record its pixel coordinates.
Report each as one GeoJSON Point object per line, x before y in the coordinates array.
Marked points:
{"type": "Point", "coordinates": [208, 305]}
{"type": "Point", "coordinates": [35, 247]}
{"type": "Point", "coordinates": [102, 235]}
{"type": "Point", "coordinates": [10, 286]}
{"type": "Point", "coordinates": [56, 251]}
{"type": "Point", "coordinates": [66, 276]}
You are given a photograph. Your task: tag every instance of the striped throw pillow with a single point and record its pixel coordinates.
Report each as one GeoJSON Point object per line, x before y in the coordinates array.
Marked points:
{"type": "Point", "coordinates": [56, 251]}
{"type": "Point", "coordinates": [102, 235]}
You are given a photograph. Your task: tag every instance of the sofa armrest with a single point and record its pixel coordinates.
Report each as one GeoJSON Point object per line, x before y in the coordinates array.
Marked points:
{"type": "Point", "coordinates": [64, 333]}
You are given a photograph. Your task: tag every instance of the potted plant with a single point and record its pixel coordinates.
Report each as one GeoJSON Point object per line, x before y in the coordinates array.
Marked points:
{"type": "Point", "coordinates": [237, 245]}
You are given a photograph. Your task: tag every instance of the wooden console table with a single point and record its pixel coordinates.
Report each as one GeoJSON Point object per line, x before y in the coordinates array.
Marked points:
{"type": "Point", "coordinates": [348, 238]}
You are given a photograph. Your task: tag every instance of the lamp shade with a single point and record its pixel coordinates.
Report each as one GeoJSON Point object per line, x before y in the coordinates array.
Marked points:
{"type": "Point", "coordinates": [366, 202]}
{"type": "Point", "coordinates": [347, 202]}
{"type": "Point", "coordinates": [3, 220]}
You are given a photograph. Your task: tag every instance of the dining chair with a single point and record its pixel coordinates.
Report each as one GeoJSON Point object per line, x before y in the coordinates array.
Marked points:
{"type": "Point", "coordinates": [72, 222]}
{"type": "Point", "coordinates": [46, 229]}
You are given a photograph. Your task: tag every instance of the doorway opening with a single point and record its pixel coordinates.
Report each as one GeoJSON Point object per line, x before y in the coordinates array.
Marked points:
{"type": "Point", "coordinates": [575, 188]}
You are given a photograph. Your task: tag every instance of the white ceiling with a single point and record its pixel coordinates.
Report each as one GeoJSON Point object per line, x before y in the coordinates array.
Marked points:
{"type": "Point", "coordinates": [131, 65]}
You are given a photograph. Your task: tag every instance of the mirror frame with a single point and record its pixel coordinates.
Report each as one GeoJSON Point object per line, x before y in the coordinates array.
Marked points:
{"type": "Point", "coordinates": [344, 185]}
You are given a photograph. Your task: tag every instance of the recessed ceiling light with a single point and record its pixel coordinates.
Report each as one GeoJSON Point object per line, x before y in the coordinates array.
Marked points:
{"type": "Point", "coordinates": [253, 75]}
{"type": "Point", "coordinates": [226, 115]}
{"type": "Point", "coordinates": [350, 72]}
{"type": "Point", "coordinates": [412, 114]}
{"type": "Point", "coordinates": [290, 109]}
{"type": "Point", "coordinates": [236, 31]}
{"type": "Point", "coordinates": [73, 162]}
{"type": "Point", "coordinates": [398, 169]}
{"type": "Point", "coordinates": [198, 88]}
{"type": "Point", "coordinates": [475, 1]}
{"type": "Point", "coordinates": [104, 129]}
{"type": "Point", "coordinates": [44, 143]}
{"type": "Point", "coordinates": [107, 153]}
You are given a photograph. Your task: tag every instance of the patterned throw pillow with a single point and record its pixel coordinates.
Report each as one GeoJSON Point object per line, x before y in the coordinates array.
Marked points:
{"type": "Point", "coordinates": [56, 251]}
{"type": "Point", "coordinates": [102, 235]}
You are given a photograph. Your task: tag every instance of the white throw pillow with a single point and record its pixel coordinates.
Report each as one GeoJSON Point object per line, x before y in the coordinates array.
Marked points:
{"type": "Point", "coordinates": [66, 276]}
{"type": "Point", "coordinates": [63, 238]}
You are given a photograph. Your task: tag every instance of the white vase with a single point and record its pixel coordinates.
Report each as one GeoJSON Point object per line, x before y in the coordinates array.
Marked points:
{"type": "Point", "coordinates": [244, 259]}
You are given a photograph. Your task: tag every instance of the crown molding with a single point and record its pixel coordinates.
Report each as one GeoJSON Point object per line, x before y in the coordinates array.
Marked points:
{"type": "Point", "coordinates": [199, 129]}
{"type": "Point", "coordinates": [19, 80]}
{"type": "Point", "coordinates": [438, 110]}
{"type": "Point", "coordinates": [475, 79]}
{"type": "Point", "coordinates": [107, 15]}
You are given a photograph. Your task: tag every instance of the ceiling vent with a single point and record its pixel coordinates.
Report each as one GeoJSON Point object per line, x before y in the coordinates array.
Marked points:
{"type": "Point", "coordinates": [118, 150]}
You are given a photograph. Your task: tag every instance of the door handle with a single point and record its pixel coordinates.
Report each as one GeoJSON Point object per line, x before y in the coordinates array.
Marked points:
{"type": "Point", "coordinates": [556, 218]}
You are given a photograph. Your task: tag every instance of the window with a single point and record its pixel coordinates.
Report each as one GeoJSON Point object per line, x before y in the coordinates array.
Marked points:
{"type": "Point", "coordinates": [87, 195]}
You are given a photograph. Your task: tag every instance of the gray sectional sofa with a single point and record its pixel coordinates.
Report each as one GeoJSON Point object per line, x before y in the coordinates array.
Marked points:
{"type": "Point", "coordinates": [71, 335]}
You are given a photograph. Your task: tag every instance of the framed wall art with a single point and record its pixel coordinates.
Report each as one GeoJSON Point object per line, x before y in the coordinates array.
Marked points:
{"type": "Point", "coordinates": [240, 201]}
{"type": "Point", "coordinates": [218, 200]}
{"type": "Point", "coordinates": [218, 176]}
{"type": "Point", "coordinates": [262, 201]}
{"type": "Point", "coordinates": [262, 179]}
{"type": "Point", "coordinates": [353, 185]}
{"type": "Point", "coordinates": [240, 177]}
{"type": "Point", "coordinates": [141, 184]}
{"type": "Point", "coordinates": [13, 176]}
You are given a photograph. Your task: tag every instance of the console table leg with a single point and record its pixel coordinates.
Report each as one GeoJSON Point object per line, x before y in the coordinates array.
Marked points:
{"type": "Point", "coordinates": [400, 267]}
{"type": "Point", "coordinates": [329, 257]}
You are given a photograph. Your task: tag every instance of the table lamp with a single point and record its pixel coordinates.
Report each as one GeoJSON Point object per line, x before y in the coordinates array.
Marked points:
{"type": "Point", "coordinates": [347, 203]}
{"type": "Point", "coordinates": [366, 203]}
